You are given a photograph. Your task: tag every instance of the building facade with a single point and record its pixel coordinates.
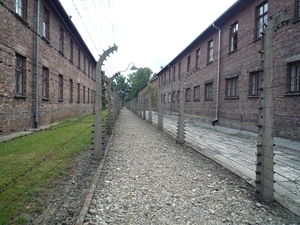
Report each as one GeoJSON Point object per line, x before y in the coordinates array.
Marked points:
{"type": "Point", "coordinates": [223, 69]}
{"type": "Point", "coordinates": [47, 72]}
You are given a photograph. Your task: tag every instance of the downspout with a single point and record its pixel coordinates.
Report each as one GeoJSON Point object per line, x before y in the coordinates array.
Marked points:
{"type": "Point", "coordinates": [171, 81]}
{"type": "Point", "coordinates": [36, 104]}
{"type": "Point", "coordinates": [218, 77]}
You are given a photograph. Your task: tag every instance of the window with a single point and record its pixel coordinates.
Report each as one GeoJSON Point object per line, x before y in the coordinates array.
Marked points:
{"type": "Point", "coordinates": [188, 95]}
{"type": "Point", "coordinates": [83, 94]}
{"type": "Point", "coordinates": [89, 68]}
{"type": "Point", "coordinates": [295, 77]}
{"type": "Point", "coordinates": [188, 66]}
{"type": "Point", "coordinates": [197, 93]}
{"type": "Point", "coordinates": [231, 87]}
{"type": "Point", "coordinates": [45, 84]}
{"type": "Point", "coordinates": [88, 95]}
{"type": "Point", "coordinates": [178, 96]}
{"type": "Point", "coordinates": [169, 75]}
{"type": "Point", "coordinates": [169, 97]}
{"type": "Point", "coordinates": [210, 55]}
{"type": "Point", "coordinates": [20, 70]}
{"type": "Point", "coordinates": [78, 57]}
{"type": "Point", "coordinates": [61, 39]}
{"type": "Point", "coordinates": [254, 83]}
{"type": "Point", "coordinates": [173, 96]}
{"type": "Point", "coordinates": [84, 63]}
{"type": "Point", "coordinates": [71, 50]}
{"type": "Point", "coordinates": [262, 18]}
{"type": "Point", "coordinates": [21, 8]}
{"type": "Point", "coordinates": [71, 90]}
{"type": "Point", "coordinates": [165, 78]}
{"type": "Point", "coordinates": [60, 87]}
{"type": "Point", "coordinates": [174, 72]}
{"type": "Point", "coordinates": [179, 70]}
{"type": "Point", "coordinates": [234, 36]}
{"type": "Point", "coordinates": [198, 59]}
{"type": "Point", "coordinates": [78, 93]}
{"type": "Point", "coordinates": [208, 91]}
{"type": "Point", "coordinates": [46, 20]}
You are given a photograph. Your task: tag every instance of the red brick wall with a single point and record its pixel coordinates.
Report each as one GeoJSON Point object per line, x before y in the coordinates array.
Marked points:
{"type": "Point", "coordinates": [241, 112]}
{"type": "Point", "coordinates": [18, 36]}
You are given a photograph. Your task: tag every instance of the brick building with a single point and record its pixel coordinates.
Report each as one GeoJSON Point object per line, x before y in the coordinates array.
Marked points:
{"type": "Point", "coordinates": [223, 69]}
{"type": "Point", "coordinates": [47, 71]}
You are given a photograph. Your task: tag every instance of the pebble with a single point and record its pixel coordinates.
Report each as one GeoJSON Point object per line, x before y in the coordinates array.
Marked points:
{"type": "Point", "coordinates": [148, 179]}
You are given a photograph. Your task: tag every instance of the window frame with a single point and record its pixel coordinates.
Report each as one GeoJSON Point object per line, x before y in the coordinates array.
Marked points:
{"type": "Point", "coordinates": [210, 51]}
{"type": "Point", "coordinates": [78, 92]}
{"type": "Point", "coordinates": [45, 84]}
{"type": "Point", "coordinates": [254, 84]}
{"type": "Point", "coordinates": [174, 73]}
{"type": "Point", "coordinates": [21, 11]}
{"type": "Point", "coordinates": [297, 9]}
{"type": "Point", "coordinates": [188, 93]}
{"type": "Point", "coordinates": [232, 87]}
{"type": "Point", "coordinates": [197, 93]}
{"type": "Point", "coordinates": [188, 64]}
{"type": "Point", "coordinates": [83, 94]}
{"type": "Point", "coordinates": [208, 91]}
{"type": "Point", "coordinates": [46, 24]}
{"type": "Point", "coordinates": [233, 45]}
{"type": "Point", "coordinates": [20, 76]}
{"type": "Point", "coordinates": [296, 79]}
{"type": "Point", "coordinates": [71, 50]}
{"type": "Point", "coordinates": [179, 70]}
{"type": "Point", "coordinates": [71, 90]}
{"type": "Point", "coordinates": [61, 39]}
{"type": "Point", "coordinates": [198, 52]}
{"type": "Point", "coordinates": [259, 27]}
{"type": "Point", "coordinates": [79, 61]}
{"type": "Point", "coordinates": [178, 96]}
{"type": "Point", "coordinates": [60, 87]}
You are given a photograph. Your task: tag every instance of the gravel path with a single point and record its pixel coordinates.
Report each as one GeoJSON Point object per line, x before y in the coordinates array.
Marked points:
{"type": "Point", "coordinates": [148, 179]}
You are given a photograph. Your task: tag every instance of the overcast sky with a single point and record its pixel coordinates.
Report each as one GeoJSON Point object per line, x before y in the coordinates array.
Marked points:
{"type": "Point", "coordinates": [149, 33]}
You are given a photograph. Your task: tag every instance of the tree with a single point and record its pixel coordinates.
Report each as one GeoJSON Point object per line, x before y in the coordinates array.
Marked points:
{"type": "Point", "coordinates": [137, 80]}
{"type": "Point", "coordinates": [122, 84]}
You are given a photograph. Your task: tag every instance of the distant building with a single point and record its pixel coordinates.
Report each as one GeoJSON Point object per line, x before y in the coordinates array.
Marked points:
{"type": "Point", "coordinates": [226, 91]}
{"type": "Point", "coordinates": [53, 55]}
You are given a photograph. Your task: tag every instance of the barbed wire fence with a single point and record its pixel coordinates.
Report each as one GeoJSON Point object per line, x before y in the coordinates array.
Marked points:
{"type": "Point", "coordinates": [238, 149]}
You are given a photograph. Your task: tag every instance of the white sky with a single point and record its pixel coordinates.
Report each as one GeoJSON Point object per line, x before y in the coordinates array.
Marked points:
{"type": "Point", "coordinates": [149, 33]}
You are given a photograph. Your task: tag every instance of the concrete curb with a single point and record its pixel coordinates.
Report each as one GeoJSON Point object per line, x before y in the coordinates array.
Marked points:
{"type": "Point", "coordinates": [86, 204]}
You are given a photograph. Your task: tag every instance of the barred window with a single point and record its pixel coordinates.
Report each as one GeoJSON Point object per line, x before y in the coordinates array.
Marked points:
{"type": "Point", "coordinates": [188, 66]}
{"type": "Point", "coordinates": [71, 90]}
{"type": "Point", "coordinates": [46, 23]}
{"type": "Point", "coordinates": [61, 39]}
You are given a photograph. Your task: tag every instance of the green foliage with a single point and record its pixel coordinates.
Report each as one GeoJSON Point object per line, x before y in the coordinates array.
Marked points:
{"type": "Point", "coordinates": [154, 95]}
{"type": "Point", "coordinates": [122, 84]}
{"type": "Point", "coordinates": [137, 80]}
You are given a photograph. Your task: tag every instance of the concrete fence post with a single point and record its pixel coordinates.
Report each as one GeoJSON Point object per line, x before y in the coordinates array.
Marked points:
{"type": "Point", "coordinates": [265, 153]}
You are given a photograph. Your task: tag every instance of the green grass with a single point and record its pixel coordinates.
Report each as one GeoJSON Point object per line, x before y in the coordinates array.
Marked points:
{"type": "Point", "coordinates": [28, 164]}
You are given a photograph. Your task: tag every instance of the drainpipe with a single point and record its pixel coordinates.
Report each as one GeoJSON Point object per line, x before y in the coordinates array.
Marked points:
{"type": "Point", "coordinates": [171, 81]}
{"type": "Point", "coordinates": [36, 105]}
{"type": "Point", "coordinates": [218, 76]}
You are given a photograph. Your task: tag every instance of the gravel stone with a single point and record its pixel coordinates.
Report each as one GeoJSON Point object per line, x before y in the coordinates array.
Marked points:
{"type": "Point", "coordinates": [149, 179]}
